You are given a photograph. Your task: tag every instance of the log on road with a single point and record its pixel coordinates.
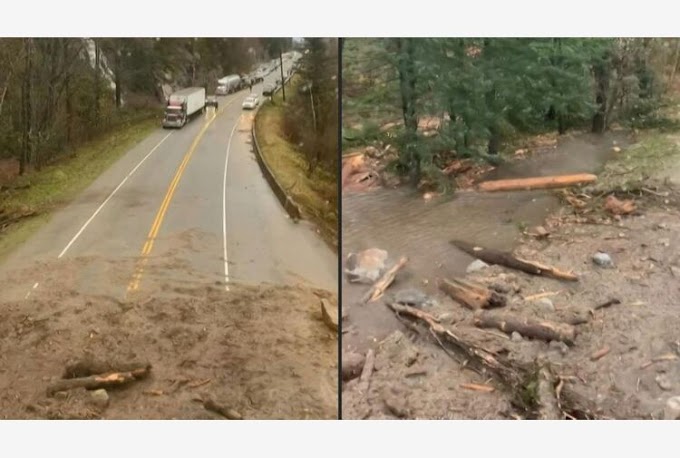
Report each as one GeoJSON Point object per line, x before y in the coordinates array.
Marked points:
{"type": "Point", "coordinates": [559, 181]}
{"type": "Point", "coordinates": [471, 295]}
{"type": "Point", "coordinates": [504, 258]}
{"type": "Point", "coordinates": [528, 327]}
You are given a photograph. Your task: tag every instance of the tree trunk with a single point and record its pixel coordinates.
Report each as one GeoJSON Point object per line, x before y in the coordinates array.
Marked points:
{"type": "Point", "coordinates": [26, 109]}
{"type": "Point", "coordinates": [601, 73]}
{"type": "Point", "coordinates": [118, 82]}
{"type": "Point", "coordinates": [407, 85]}
{"type": "Point", "coordinates": [97, 95]}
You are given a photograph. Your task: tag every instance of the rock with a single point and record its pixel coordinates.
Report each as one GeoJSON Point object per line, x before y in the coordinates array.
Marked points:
{"type": "Point", "coordinates": [329, 314]}
{"type": "Point", "coordinates": [396, 404]}
{"type": "Point", "coordinates": [672, 410]}
{"type": "Point", "coordinates": [540, 232]}
{"type": "Point", "coordinates": [545, 304]}
{"type": "Point", "coordinates": [476, 265]}
{"type": "Point", "coordinates": [603, 259]}
{"type": "Point", "coordinates": [446, 318]}
{"type": "Point", "coordinates": [366, 266]}
{"type": "Point", "coordinates": [559, 346]}
{"type": "Point", "coordinates": [352, 364]}
{"type": "Point", "coordinates": [664, 382]}
{"type": "Point", "coordinates": [413, 297]}
{"type": "Point", "coordinates": [516, 337]}
{"type": "Point", "coordinates": [665, 242]}
{"type": "Point", "coordinates": [616, 149]}
{"type": "Point", "coordinates": [501, 288]}
{"type": "Point", "coordinates": [100, 398]}
{"type": "Point", "coordinates": [675, 271]}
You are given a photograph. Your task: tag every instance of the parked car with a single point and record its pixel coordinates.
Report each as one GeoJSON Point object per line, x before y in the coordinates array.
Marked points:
{"type": "Point", "coordinates": [251, 102]}
{"type": "Point", "coordinates": [268, 90]}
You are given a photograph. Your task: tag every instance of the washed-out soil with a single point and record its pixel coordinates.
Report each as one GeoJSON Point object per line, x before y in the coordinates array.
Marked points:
{"type": "Point", "coordinates": [261, 351]}
{"type": "Point", "coordinates": [624, 362]}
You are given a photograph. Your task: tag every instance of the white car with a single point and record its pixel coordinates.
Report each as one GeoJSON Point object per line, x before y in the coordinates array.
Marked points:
{"type": "Point", "coordinates": [251, 102]}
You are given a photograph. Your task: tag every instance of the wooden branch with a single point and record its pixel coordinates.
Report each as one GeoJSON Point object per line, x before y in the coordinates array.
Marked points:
{"type": "Point", "coordinates": [528, 327]}
{"type": "Point", "coordinates": [98, 381]}
{"type": "Point", "coordinates": [226, 412]}
{"type": "Point", "coordinates": [379, 287]}
{"type": "Point", "coordinates": [504, 258]}
{"type": "Point", "coordinates": [526, 184]}
{"type": "Point", "coordinates": [471, 295]}
{"type": "Point", "coordinates": [510, 374]}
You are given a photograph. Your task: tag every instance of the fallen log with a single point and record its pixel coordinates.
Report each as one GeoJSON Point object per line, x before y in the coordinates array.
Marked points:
{"type": "Point", "coordinates": [95, 382]}
{"type": "Point", "coordinates": [471, 295]}
{"type": "Point", "coordinates": [379, 287]}
{"type": "Point", "coordinates": [526, 184]}
{"type": "Point", "coordinates": [226, 412]}
{"type": "Point", "coordinates": [504, 258]}
{"type": "Point", "coordinates": [514, 376]}
{"type": "Point", "coordinates": [366, 372]}
{"type": "Point", "coordinates": [528, 327]}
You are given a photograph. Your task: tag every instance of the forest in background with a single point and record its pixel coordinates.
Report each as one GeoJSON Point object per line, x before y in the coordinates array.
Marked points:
{"type": "Point", "coordinates": [56, 93]}
{"type": "Point", "coordinates": [485, 92]}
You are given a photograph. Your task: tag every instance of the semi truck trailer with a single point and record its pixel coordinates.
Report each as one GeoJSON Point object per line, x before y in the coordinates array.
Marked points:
{"type": "Point", "coordinates": [182, 105]}
{"type": "Point", "coordinates": [228, 84]}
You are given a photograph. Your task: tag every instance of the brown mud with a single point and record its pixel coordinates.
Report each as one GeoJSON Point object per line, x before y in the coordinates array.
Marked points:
{"type": "Point", "coordinates": [260, 351]}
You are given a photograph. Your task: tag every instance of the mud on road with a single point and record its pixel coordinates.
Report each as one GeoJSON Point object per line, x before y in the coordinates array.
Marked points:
{"type": "Point", "coordinates": [262, 351]}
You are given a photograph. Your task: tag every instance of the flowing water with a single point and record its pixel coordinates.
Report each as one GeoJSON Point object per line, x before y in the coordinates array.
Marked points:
{"type": "Point", "coordinates": [402, 223]}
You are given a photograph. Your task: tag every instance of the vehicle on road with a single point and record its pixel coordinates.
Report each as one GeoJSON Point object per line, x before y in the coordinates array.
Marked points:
{"type": "Point", "coordinates": [228, 84]}
{"type": "Point", "coordinates": [251, 102]}
{"type": "Point", "coordinates": [268, 90]}
{"type": "Point", "coordinates": [182, 105]}
{"type": "Point", "coordinates": [211, 102]}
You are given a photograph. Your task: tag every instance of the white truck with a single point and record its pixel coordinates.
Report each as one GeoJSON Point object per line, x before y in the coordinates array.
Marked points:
{"type": "Point", "coordinates": [228, 84]}
{"type": "Point", "coordinates": [182, 105]}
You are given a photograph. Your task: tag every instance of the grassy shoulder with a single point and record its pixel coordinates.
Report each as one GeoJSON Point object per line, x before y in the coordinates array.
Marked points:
{"type": "Point", "coordinates": [654, 158]}
{"type": "Point", "coordinates": [41, 192]}
{"type": "Point", "coordinates": [290, 168]}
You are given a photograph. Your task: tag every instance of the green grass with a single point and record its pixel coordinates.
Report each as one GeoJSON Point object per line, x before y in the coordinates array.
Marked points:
{"type": "Point", "coordinates": [653, 155]}
{"type": "Point", "coordinates": [289, 167]}
{"type": "Point", "coordinates": [56, 185]}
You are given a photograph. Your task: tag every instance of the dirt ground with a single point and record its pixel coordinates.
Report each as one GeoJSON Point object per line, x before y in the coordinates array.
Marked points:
{"type": "Point", "coordinates": [261, 351]}
{"type": "Point", "coordinates": [624, 362]}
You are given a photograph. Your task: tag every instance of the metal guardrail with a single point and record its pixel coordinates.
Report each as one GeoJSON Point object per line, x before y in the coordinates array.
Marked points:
{"type": "Point", "coordinates": [287, 202]}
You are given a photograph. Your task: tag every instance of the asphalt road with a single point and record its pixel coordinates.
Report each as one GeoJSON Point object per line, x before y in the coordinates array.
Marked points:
{"type": "Point", "coordinates": [182, 207]}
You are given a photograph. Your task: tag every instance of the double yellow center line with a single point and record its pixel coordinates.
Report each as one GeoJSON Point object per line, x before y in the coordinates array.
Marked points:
{"type": "Point", "coordinates": [133, 285]}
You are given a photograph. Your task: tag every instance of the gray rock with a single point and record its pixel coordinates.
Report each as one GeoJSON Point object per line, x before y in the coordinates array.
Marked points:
{"type": "Point", "coordinates": [413, 297]}
{"type": "Point", "coordinates": [545, 304]}
{"type": "Point", "coordinates": [352, 365]}
{"type": "Point", "coordinates": [603, 259]}
{"type": "Point", "coordinates": [366, 266]}
{"type": "Point", "coordinates": [664, 382]}
{"type": "Point", "coordinates": [675, 271]}
{"type": "Point", "coordinates": [672, 410]}
{"type": "Point", "coordinates": [502, 288]}
{"type": "Point", "coordinates": [476, 265]}
{"type": "Point", "coordinates": [100, 398]}
{"type": "Point", "coordinates": [665, 242]}
{"type": "Point", "coordinates": [516, 337]}
{"type": "Point", "coordinates": [559, 346]}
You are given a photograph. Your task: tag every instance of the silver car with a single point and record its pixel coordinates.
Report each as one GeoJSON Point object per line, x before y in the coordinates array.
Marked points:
{"type": "Point", "coordinates": [251, 102]}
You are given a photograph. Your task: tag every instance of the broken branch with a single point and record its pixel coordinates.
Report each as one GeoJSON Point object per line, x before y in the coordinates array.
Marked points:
{"type": "Point", "coordinates": [379, 287]}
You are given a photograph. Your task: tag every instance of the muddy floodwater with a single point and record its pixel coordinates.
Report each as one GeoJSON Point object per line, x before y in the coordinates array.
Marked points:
{"type": "Point", "coordinates": [402, 223]}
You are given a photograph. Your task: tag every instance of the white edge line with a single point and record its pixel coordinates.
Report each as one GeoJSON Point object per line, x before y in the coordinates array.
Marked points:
{"type": "Point", "coordinates": [224, 207]}
{"type": "Point", "coordinates": [75, 237]}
